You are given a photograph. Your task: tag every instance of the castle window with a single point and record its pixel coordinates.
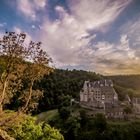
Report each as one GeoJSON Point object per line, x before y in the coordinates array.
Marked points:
{"type": "Point", "coordinates": [89, 99]}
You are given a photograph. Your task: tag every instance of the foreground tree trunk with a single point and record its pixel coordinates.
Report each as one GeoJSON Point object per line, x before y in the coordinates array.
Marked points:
{"type": "Point", "coordinates": [5, 136]}
{"type": "Point", "coordinates": [3, 95]}
{"type": "Point", "coordinates": [1, 109]}
{"type": "Point", "coordinates": [24, 109]}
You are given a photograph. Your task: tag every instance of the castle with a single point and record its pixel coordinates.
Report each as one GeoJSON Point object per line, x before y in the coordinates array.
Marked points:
{"type": "Point", "coordinates": [101, 97]}
{"type": "Point", "coordinates": [98, 94]}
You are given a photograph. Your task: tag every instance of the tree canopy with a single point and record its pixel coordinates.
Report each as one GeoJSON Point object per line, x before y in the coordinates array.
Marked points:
{"type": "Point", "coordinates": [21, 64]}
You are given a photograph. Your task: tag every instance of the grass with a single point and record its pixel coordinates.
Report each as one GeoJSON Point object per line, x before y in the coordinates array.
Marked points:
{"type": "Point", "coordinates": [45, 116]}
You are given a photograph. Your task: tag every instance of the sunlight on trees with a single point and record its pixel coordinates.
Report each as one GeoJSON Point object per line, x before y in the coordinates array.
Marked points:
{"type": "Point", "coordinates": [20, 62]}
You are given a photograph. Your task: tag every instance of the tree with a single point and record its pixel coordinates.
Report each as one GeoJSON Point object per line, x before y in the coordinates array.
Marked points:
{"type": "Point", "coordinates": [64, 113]}
{"type": "Point", "coordinates": [28, 130]}
{"type": "Point", "coordinates": [83, 119]}
{"type": "Point", "coordinates": [36, 70]}
{"type": "Point", "coordinates": [71, 128]}
{"type": "Point", "coordinates": [12, 52]}
{"type": "Point", "coordinates": [100, 122]}
{"type": "Point", "coordinates": [20, 62]}
{"type": "Point", "coordinates": [5, 136]}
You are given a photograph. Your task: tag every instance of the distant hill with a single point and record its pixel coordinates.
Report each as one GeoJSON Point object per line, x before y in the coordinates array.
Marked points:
{"type": "Point", "coordinates": [128, 84]}
{"type": "Point", "coordinates": [127, 81]}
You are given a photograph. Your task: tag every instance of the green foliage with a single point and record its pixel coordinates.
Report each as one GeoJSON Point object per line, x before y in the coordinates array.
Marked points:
{"type": "Point", "coordinates": [126, 84]}
{"type": "Point", "coordinates": [83, 118]}
{"type": "Point", "coordinates": [64, 113]}
{"type": "Point", "coordinates": [100, 123]}
{"type": "Point", "coordinates": [28, 130]}
{"type": "Point", "coordinates": [21, 62]}
{"type": "Point", "coordinates": [122, 92]}
{"type": "Point", "coordinates": [127, 81]}
{"type": "Point", "coordinates": [62, 85]}
{"type": "Point", "coordinates": [5, 136]}
{"type": "Point", "coordinates": [71, 128]}
{"type": "Point", "coordinates": [85, 127]}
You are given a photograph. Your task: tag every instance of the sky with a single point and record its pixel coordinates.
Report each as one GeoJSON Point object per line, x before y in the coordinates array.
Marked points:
{"type": "Point", "coordinates": [93, 35]}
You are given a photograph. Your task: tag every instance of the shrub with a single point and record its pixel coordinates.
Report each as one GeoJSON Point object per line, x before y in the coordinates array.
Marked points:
{"type": "Point", "coordinates": [28, 130]}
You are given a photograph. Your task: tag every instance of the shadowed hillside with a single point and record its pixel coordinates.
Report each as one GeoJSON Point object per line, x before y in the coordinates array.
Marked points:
{"type": "Point", "coordinates": [127, 84]}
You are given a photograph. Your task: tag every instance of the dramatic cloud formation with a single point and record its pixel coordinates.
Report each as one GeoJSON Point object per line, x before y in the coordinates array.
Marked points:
{"type": "Point", "coordinates": [70, 43]}
{"type": "Point", "coordinates": [93, 35]}
{"type": "Point", "coordinates": [116, 58]}
{"type": "Point", "coordinates": [97, 13]}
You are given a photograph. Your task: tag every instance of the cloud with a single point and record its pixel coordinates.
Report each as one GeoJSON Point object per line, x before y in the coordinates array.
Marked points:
{"type": "Point", "coordinates": [115, 58]}
{"type": "Point", "coordinates": [40, 3]}
{"type": "Point", "coordinates": [97, 13]}
{"type": "Point", "coordinates": [131, 26]}
{"type": "Point", "coordinates": [68, 39]}
{"type": "Point", "coordinates": [132, 29]}
{"type": "Point", "coordinates": [1, 35]}
{"type": "Point", "coordinates": [3, 24]}
{"type": "Point", "coordinates": [124, 41]}
{"type": "Point", "coordinates": [30, 8]}
{"type": "Point", "coordinates": [63, 37]}
{"type": "Point", "coordinates": [33, 26]}
{"type": "Point", "coordinates": [107, 58]}
{"type": "Point", "coordinates": [26, 7]}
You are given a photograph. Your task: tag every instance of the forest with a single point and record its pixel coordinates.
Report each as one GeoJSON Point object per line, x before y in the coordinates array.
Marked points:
{"type": "Point", "coordinates": [61, 85]}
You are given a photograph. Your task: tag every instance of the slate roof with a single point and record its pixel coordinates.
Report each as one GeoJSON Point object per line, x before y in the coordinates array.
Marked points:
{"type": "Point", "coordinates": [97, 84]}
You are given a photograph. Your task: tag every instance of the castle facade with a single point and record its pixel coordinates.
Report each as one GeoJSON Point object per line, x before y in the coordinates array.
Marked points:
{"type": "Point", "coordinates": [98, 94]}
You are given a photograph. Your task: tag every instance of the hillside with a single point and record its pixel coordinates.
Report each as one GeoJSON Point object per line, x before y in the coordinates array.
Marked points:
{"type": "Point", "coordinates": [62, 85]}
{"type": "Point", "coordinates": [127, 83]}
